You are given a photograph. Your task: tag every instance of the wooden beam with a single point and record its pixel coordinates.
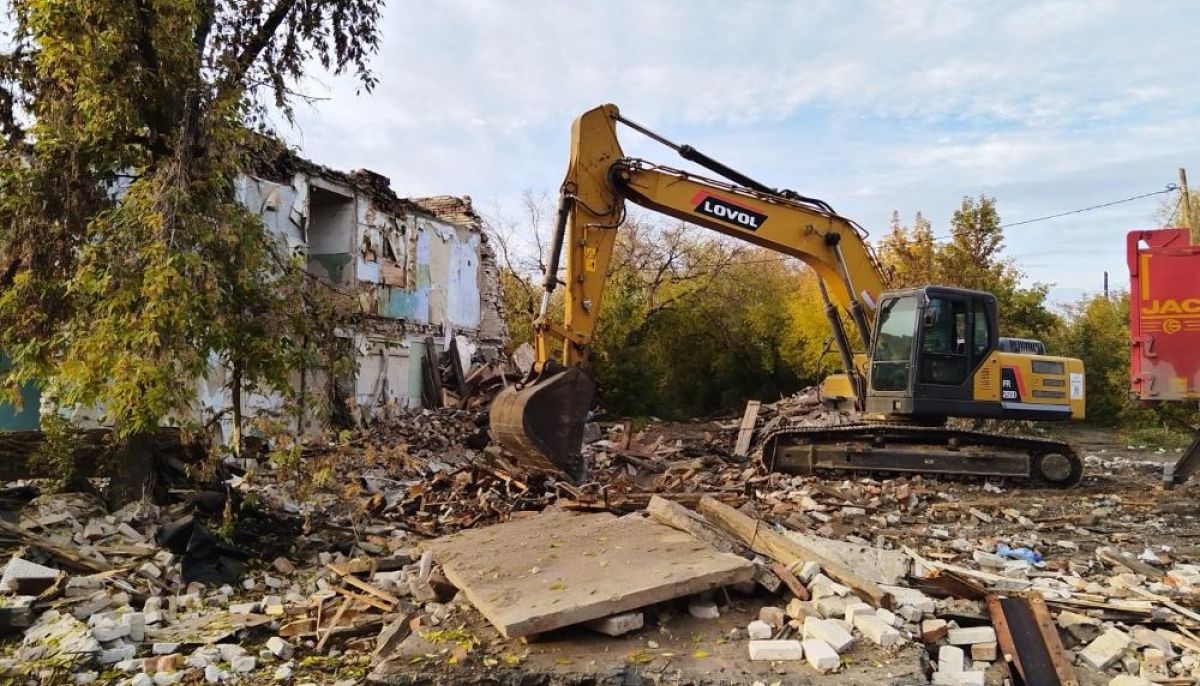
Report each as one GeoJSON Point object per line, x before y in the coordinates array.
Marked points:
{"type": "Point", "coordinates": [763, 539]}
{"type": "Point", "coordinates": [746, 430]}
{"type": "Point", "coordinates": [679, 517]}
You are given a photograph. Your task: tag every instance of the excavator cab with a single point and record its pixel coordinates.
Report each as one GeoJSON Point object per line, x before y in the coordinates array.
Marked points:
{"type": "Point", "coordinates": [937, 354]}
{"type": "Point", "coordinates": [928, 343]}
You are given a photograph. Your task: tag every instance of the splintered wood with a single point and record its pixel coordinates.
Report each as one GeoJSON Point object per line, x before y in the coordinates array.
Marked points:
{"type": "Point", "coordinates": [543, 573]}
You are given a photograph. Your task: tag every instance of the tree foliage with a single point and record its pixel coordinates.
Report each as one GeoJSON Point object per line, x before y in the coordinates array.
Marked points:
{"type": "Point", "coordinates": [127, 263]}
{"type": "Point", "coordinates": [972, 257]}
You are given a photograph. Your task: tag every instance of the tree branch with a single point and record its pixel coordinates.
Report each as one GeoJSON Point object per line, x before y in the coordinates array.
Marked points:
{"type": "Point", "coordinates": [254, 47]}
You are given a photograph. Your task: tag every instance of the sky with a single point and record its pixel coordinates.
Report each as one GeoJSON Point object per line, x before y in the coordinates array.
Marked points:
{"type": "Point", "coordinates": [873, 106]}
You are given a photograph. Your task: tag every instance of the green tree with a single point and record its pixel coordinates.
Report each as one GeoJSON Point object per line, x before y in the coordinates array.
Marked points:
{"type": "Point", "coordinates": [126, 260]}
{"type": "Point", "coordinates": [1097, 332]}
{"type": "Point", "coordinates": [973, 257]}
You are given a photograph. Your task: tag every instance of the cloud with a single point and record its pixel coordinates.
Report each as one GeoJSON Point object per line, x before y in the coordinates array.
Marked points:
{"type": "Point", "coordinates": [875, 105]}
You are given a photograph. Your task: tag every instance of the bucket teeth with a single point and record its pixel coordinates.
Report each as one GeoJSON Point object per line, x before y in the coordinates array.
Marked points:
{"type": "Point", "coordinates": [541, 425]}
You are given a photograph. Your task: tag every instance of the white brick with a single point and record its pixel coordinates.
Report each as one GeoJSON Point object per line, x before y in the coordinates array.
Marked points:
{"type": "Point", "coordinates": [703, 609]}
{"type": "Point", "coordinates": [829, 631]}
{"type": "Point", "coordinates": [822, 585]}
{"type": "Point", "coordinates": [971, 635]}
{"type": "Point", "coordinates": [855, 609]}
{"type": "Point", "coordinates": [759, 630]}
{"type": "Point", "coordinates": [973, 678]}
{"type": "Point", "coordinates": [776, 650]}
{"type": "Point", "coordinates": [820, 655]}
{"type": "Point", "coordinates": [616, 625]}
{"type": "Point", "coordinates": [1105, 650]}
{"type": "Point", "coordinates": [807, 571]}
{"type": "Point", "coordinates": [877, 630]}
{"type": "Point", "coordinates": [1129, 680]}
{"type": "Point", "coordinates": [887, 617]}
{"type": "Point", "coordinates": [950, 659]}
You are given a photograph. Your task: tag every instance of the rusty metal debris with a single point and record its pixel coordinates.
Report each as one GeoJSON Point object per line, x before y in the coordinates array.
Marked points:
{"type": "Point", "coordinates": [1029, 640]}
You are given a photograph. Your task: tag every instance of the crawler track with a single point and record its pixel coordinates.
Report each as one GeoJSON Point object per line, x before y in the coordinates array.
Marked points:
{"type": "Point", "coordinates": [868, 447]}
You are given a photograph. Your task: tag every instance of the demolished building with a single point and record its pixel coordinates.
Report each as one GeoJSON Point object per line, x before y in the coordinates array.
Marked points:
{"type": "Point", "coordinates": [420, 270]}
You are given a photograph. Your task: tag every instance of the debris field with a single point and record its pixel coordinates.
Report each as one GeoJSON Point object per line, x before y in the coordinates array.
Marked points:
{"type": "Point", "coordinates": [411, 552]}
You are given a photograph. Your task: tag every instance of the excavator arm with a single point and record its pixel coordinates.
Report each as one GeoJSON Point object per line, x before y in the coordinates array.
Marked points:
{"type": "Point", "coordinates": [600, 179]}
{"type": "Point", "coordinates": [541, 422]}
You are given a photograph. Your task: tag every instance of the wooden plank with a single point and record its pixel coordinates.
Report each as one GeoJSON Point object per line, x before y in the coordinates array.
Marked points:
{"type": "Point", "coordinates": [763, 539]}
{"type": "Point", "coordinates": [679, 517]}
{"type": "Point", "coordinates": [1117, 558]}
{"type": "Point", "coordinates": [366, 600]}
{"type": "Point", "coordinates": [746, 430]}
{"type": "Point", "coordinates": [65, 556]}
{"type": "Point", "coordinates": [785, 575]}
{"type": "Point", "coordinates": [364, 586]}
{"type": "Point", "coordinates": [337, 618]}
{"type": "Point", "coordinates": [532, 575]}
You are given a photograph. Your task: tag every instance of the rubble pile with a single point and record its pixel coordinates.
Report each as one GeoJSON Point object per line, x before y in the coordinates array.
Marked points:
{"type": "Point", "coordinates": [412, 552]}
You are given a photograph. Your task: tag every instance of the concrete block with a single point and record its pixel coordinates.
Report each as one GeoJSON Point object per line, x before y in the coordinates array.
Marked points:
{"type": "Point", "coordinates": [855, 609]}
{"type": "Point", "coordinates": [950, 660]}
{"type": "Point", "coordinates": [822, 585]}
{"type": "Point", "coordinates": [829, 631]}
{"type": "Point", "coordinates": [878, 631]}
{"type": "Point", "coordinates": [1105, 650]}
{"type": "Point", "coordinates": [616, 625]}
{"type": "Point", "coordinates": [799, 609]}
{"type": "Point", "coordinates": [110, 656]}
{"type": "Point", "coordinates": [831, 606]}
{"type": "Point", "coordinates": [910, 613]}
{"type": "Point", "coordinates": [984, 652]}
{"type": "Point", "coordinates": [934, 630]}
{"type": "Point", "coordinates": [776, 650]}
{"type": "Point", "coordinates": [283, 650]}
{"type": "Point", "coordinates": [820, 655]}
{"type": "Point", "coordinates": [887, 617]}
{"type": "Point", "coordinates": [808, 571]}
{"type": "Point", "coordinates": [759, 630]}
{"type": "Point", "coordinates": [971, 635]}
{"type": "Point", "coordinates": [773, 616]}
{"type": "Point", "coordinates": [703, 609]}
{"type": "Point", "coordinates": [971, 678]}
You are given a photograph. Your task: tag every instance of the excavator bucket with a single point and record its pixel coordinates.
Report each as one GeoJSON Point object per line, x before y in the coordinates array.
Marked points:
{"type": "Point", "coordinates": [542, 423]}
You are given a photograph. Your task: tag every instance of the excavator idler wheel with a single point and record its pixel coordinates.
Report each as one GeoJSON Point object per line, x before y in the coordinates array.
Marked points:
{"type": "Point", "coordinates": [541, 424]}
{"type": "Point", "coordinates": [1057, 470]}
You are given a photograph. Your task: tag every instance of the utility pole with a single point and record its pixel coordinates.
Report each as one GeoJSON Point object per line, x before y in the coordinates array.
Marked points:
{"type": "Point", "coordinates": [1106, 284]}
{"type": "Point", "coordinates": [1186, 202]}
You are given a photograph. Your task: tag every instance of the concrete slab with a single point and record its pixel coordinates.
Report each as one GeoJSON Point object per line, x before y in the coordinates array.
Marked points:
{"type": "Point", "coordinates": [534, 575]}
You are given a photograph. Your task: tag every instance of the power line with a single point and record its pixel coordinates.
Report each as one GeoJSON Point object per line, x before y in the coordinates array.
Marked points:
{"type": "Point", "coordinates": [1170, 188]}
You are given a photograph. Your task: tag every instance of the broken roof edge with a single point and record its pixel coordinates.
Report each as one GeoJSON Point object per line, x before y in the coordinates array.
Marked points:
{"type": "Point", "coordinates": [279, 162]}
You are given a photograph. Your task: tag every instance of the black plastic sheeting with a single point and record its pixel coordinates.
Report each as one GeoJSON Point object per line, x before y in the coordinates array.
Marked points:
{"type": "Point", "coordinates": [205, 558]}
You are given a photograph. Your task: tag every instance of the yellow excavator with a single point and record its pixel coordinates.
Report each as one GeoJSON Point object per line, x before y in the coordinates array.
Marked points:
{"type": "Point", "coordinates": [931, 353]}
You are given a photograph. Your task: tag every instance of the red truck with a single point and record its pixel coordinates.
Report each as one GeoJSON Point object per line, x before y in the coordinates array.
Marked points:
{"type": "Point", "coordinates": [1164, 325]}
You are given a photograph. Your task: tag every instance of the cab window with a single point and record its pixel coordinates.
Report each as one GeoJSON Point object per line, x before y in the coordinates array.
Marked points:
{"type": "Point", "coordinates": [894, 344]}
{"type": "Point", "coordinates": [944, 342]}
